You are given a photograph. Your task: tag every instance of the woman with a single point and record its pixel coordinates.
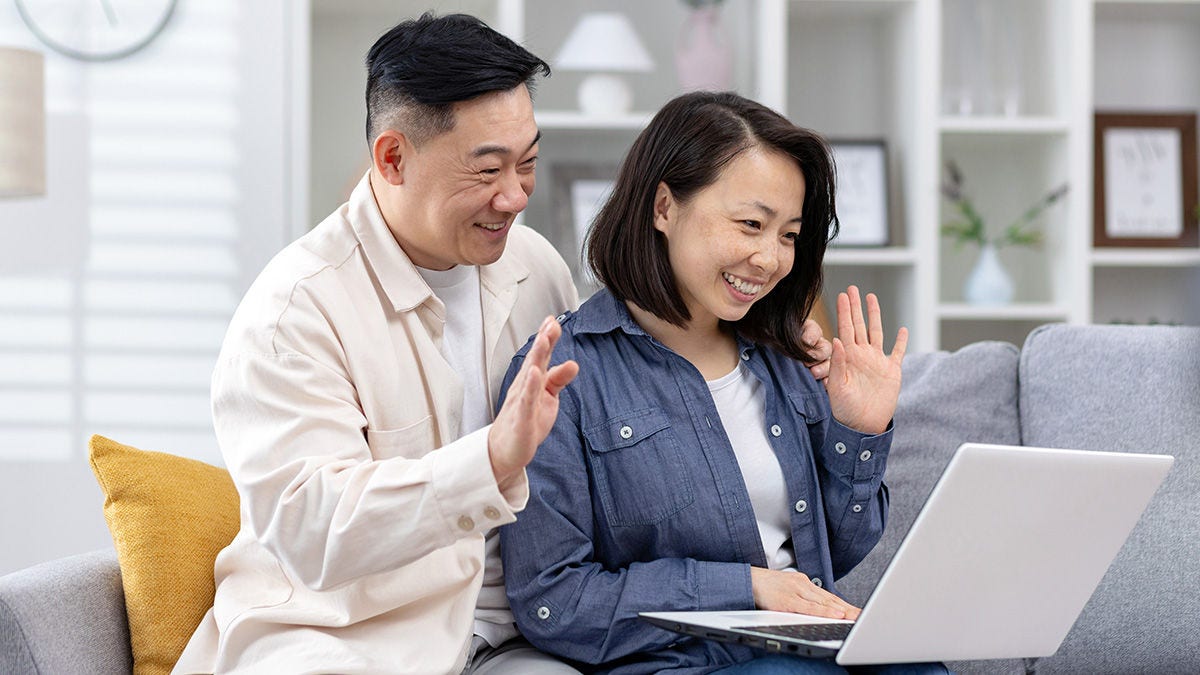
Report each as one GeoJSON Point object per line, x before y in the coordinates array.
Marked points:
{"type": "Point", "coordinates": [695, 463]}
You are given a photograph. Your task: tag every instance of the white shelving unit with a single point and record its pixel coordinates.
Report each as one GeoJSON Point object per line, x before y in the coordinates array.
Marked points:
{"type": "Point", "coordinates": [895, 70]}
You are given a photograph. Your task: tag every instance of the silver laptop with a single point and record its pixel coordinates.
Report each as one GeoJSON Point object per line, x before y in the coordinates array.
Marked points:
{"type": "Point", "coordinates": [998, 564]}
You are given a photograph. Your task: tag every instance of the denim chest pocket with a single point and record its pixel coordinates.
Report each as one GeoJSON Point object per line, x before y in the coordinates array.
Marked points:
{"type": "Point", "coordinates": [638, 468]}
{"type": "Point", "coordinates": [810, 406]}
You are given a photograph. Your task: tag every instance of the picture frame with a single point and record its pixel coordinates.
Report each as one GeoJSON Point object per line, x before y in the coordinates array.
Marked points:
{"type": "Point", "coordinates": [1145, 180]}
{"type": "Point", "coordinates": [862, 193]}
{"type": "Point", "coordinates": [578, 190]}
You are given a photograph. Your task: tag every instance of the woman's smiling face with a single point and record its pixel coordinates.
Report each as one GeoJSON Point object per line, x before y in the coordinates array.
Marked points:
{"type": "Point", "coordinates": [735, 239]}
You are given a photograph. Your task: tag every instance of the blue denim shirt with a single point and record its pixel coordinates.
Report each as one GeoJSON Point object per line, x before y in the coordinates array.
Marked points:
{"type": "Point", "coordinates": [637, 503]}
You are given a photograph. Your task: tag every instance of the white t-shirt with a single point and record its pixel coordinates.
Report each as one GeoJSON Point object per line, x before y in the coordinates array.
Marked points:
{"type": "Point", "coordinates": [740, 402]}
{"type": "Point", "coordinates": [462, 345]}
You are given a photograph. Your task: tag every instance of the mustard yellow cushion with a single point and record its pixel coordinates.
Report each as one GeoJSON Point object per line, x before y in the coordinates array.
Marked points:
{"type": "Point", "coordinates": [169, 517]}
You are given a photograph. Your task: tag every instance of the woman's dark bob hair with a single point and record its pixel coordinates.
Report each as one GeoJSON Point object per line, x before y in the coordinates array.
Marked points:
{"type": "Point", "coordinates": [687, 145]}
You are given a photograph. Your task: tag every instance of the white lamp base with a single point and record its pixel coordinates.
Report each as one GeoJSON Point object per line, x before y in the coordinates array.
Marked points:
{"type": "Point", "coordinates": [601, 94]}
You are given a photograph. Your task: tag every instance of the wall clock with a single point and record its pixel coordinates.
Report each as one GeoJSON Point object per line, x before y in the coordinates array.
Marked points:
{"type": "Point", "coordinates": [96, 30]}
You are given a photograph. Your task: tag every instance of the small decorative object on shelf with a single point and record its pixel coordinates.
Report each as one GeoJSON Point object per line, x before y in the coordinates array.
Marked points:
{"type": "Point", "coordinates": [604, 44]}
{"type": "Point", "coordinates": [989, 283]}
{"type": "Point", "coordinates": [703, 53]}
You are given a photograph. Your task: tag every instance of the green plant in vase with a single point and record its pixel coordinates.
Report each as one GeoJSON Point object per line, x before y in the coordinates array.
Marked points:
{"type": "Point", "coordinates": [988, 283]}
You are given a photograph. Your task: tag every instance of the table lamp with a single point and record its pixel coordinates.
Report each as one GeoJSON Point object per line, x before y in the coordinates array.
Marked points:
{"type": "Point", "coordinates": [22, 123]}
{"type": "Point", "coordinates": [604, 43]}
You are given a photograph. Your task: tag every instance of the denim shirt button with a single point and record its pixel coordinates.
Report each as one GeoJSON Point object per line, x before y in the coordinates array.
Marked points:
{"type": "Point", "coordinates": [817, 582]}
{"type": "Point", "coordinates": [776, 430]}
{"type": "Point", "coordinates": [543, 612]}
{"type": "Point", "coordinates": [801, 506]}
{"type": "Point", "coordinates": [745, 356]}
{"type": "Point", "coordinates": [626, 432]}
{"type": "Point", "coordinates": [840, 447]}
{"type": "Point", "coordinates": [857, 508]}
{"type": "Point", "coordinates": [866, 454]}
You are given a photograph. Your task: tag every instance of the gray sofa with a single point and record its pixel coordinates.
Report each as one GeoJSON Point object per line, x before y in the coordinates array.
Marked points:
{"type": "Point", "coordinates": [1118, 388]}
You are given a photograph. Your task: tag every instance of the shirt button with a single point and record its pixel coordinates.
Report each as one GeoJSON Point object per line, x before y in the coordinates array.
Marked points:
{"type": "Point", "coordinates": [745, 356]}
{"type": "Point", "coordinates": [801, 506]}
{"type": "Point", "coordinates": [817, 582]}
{"type": "Point", "coordinates": [840, 447]}
{"type": "Point", "coordinates": [543, 612]}
{"type": "Point", "coordinates": [466, 523]}
{"type": "Point", "coordinates": [491, 512]}
{"type": "Point", "coordinates": [775, 430]}
{"type": "Point", "coordinates": [626, 432]}
{"type": "Point", "coordinates": [866, 454]}
{"type": "Point", "coordinates": [560, 318]}
{"type": "Point", "coordinates": [857, 508]}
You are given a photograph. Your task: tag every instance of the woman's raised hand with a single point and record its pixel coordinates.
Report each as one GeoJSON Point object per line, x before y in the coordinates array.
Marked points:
{"type": "Point", "coordinates": [863, 382]}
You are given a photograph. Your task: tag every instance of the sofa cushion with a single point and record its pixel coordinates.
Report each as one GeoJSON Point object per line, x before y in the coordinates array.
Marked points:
{"type": "Point", "coordinates": [169, 517]}
{"type": "Point", "coordinates": [1127, 389]}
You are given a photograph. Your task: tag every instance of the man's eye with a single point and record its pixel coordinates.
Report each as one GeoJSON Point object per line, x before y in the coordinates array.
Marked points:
{"type": "Point", "coordinates": [490, 172]}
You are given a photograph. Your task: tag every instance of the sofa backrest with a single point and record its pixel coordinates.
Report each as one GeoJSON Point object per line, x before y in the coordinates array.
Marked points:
{"type": "Point", "coordinates": [1128, 389]}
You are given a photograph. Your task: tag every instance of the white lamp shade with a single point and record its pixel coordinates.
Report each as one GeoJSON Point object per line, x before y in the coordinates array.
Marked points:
{"type": "Point", "coordinates": [22, 123]}
{"type": "Point", "coordinates": [603, 41]}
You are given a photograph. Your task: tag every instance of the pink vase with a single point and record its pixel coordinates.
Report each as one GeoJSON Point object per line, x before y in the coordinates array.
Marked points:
{"type": "Point", "coordinates": [703, 55]}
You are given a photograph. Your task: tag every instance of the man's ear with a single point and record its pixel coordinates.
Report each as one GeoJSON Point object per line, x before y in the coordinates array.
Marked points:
{"type": "Point", "coordinates": [665, 207]}
{"type": "Point", "coordinates": [388, 155]}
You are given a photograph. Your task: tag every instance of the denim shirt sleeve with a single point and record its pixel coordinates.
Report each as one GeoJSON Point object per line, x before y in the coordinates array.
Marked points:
{"type": "Point", "coordinates": [850, 467]}
{"type": "Point", "coordinates": [564, 601]}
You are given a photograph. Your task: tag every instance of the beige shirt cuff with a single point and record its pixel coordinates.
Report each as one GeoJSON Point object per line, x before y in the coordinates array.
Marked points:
{"type": "Point", "coordinates": [468, 496]}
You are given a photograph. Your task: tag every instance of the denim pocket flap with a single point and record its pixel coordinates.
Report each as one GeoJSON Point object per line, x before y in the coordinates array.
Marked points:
{"type": "Point", "coordinates": [626, 429]}
{"type": "Point", "coordinates": [810, 405]}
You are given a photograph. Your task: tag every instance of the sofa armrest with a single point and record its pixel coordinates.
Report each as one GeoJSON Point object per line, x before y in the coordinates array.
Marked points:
{"type": "Point", "coordinates": [65, 616]}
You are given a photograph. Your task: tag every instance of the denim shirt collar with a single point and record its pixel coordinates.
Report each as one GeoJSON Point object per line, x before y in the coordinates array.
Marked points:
{"type": "Point", "coordinates": [609, 314]}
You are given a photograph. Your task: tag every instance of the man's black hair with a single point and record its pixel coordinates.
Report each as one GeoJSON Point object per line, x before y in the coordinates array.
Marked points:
{"type": "Point", "coordinates": [420, 68]}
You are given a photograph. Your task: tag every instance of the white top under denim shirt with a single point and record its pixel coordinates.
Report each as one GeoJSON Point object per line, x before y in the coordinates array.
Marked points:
{"type": "Point", "coordinates": [637, 502]}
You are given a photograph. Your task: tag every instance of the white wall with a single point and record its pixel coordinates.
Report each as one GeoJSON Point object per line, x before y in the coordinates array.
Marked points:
{"type": "Point", "coordinates": [168, 189]}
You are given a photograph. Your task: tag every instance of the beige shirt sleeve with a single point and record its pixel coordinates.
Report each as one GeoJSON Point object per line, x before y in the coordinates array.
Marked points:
{"type": "Point", "coordinates": [335, 504]}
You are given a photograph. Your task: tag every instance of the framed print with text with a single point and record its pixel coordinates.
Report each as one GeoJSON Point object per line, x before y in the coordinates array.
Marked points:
{"type": "Point", "coordinates": [862, 193]}
{"type": "Point", "coordinates": [1145, 180]}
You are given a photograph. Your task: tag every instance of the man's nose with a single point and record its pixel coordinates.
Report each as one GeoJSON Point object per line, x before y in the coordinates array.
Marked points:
{"type": "Point", "coordinates": [511, 196]}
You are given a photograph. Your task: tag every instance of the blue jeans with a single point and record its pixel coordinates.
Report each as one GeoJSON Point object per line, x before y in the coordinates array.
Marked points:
{"type": "Point", "coordinates": [778, 664]}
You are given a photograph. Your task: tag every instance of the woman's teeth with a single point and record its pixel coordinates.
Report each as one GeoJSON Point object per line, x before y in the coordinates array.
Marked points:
{"type": "Point", "coordinates": [742, 286]}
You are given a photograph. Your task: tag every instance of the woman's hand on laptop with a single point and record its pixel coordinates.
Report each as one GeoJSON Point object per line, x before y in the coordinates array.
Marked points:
{"type": "Point", "coordinates": [795, 592]}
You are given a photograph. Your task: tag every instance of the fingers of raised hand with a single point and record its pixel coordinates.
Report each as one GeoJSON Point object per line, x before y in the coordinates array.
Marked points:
{"type": "Point", "coordinates": [901, 346]}
{"type": "Point", "coordinates": [875, 319]}
{"type": "Point", "coordinates": [856, 313]}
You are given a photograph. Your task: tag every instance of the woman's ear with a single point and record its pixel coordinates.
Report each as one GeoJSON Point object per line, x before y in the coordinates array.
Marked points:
{"type": "Point", "coordinates": [664, 207]}
{"type": "Point", "coordinates": [388, 154]}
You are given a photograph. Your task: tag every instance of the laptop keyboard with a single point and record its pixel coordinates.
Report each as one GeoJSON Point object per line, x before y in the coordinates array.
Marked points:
{"type": "Point", "coordinates": [813, 632]}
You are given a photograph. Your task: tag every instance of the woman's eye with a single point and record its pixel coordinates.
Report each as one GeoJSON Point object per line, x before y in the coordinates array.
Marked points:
{"type": "Point", "coordinates": [752, 224]}
{"type": "Point", "coordinates": [791, 236]}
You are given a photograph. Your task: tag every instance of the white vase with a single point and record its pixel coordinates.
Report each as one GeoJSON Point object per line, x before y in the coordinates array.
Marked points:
{"type": "Point", "coordinates": [988, 283]}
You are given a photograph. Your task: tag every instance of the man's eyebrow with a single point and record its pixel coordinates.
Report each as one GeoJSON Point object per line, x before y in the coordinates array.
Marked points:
{"type": "Point", "coordinates": [501, 149]}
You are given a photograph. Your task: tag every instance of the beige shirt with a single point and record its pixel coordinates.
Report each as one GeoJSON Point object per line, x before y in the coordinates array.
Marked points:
{"type": "Point", "coordinates": [363, 513]}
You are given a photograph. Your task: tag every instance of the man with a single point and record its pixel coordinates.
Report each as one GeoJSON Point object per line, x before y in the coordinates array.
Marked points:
{"type": "Point", "coordinates": [354, 391]}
